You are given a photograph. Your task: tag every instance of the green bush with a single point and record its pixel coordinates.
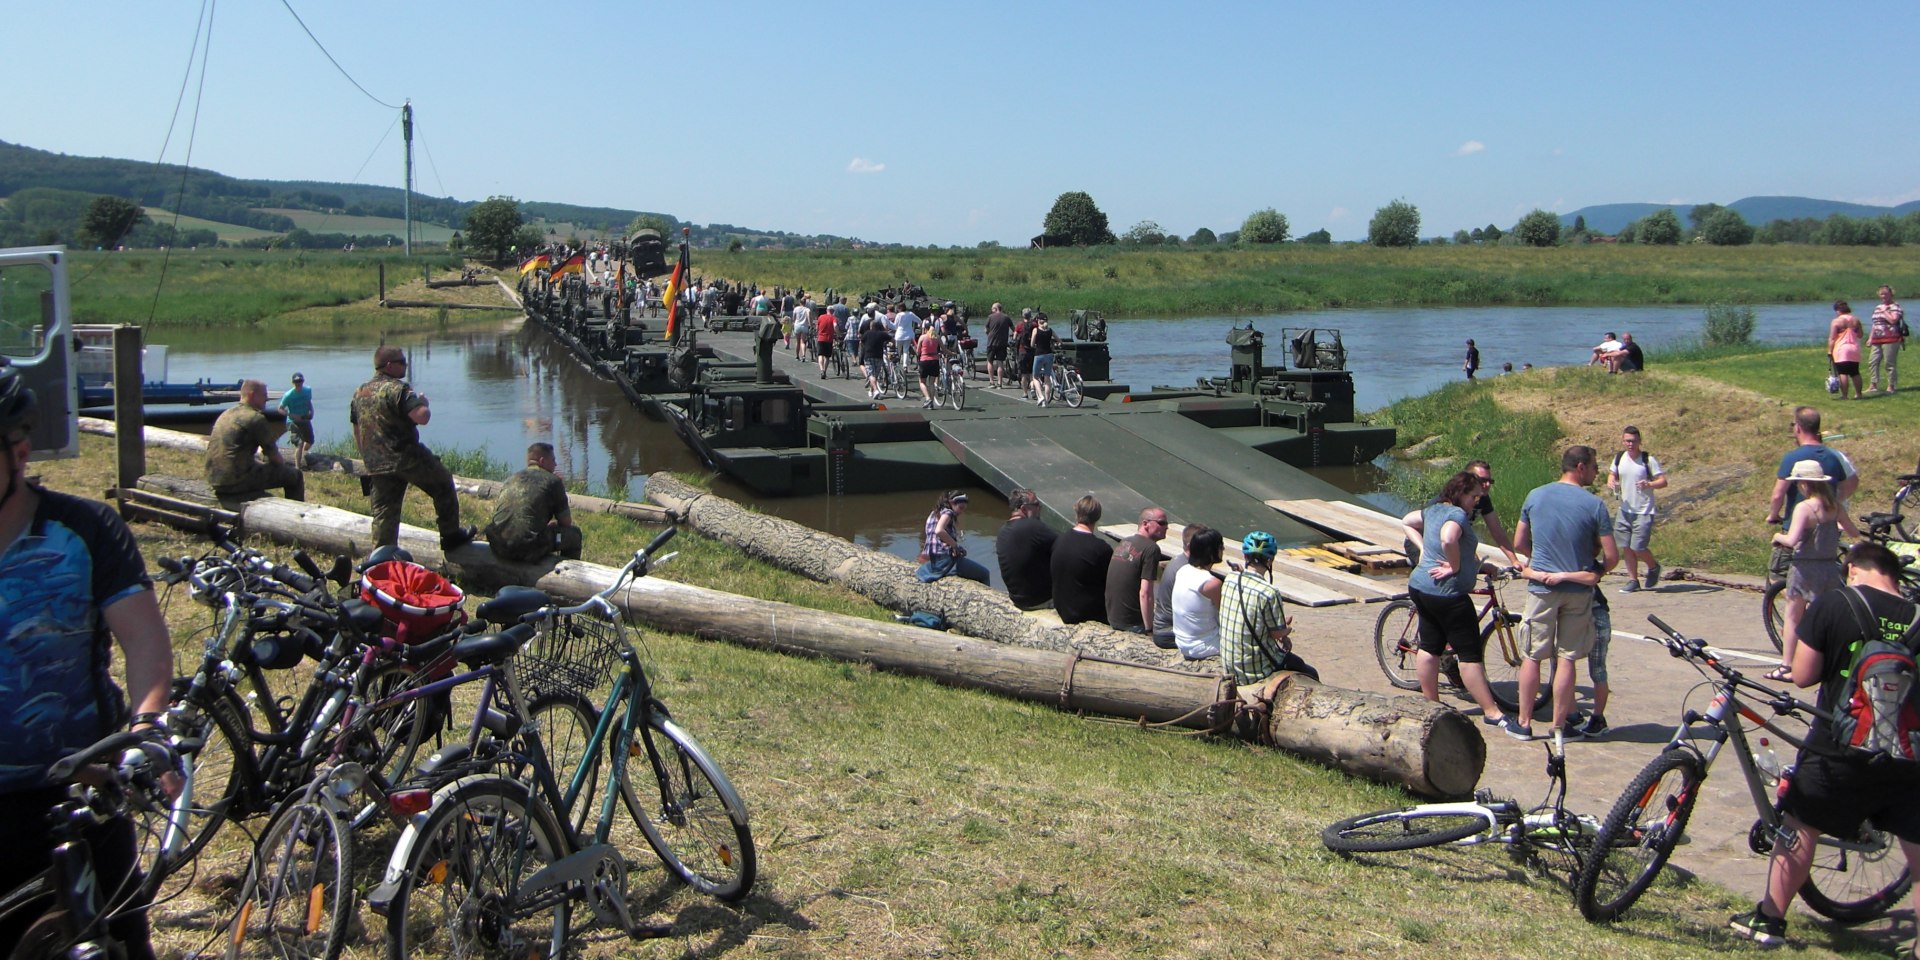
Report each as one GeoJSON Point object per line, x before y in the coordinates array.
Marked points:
{"type": "Point", "coordinates": [1729, 324]}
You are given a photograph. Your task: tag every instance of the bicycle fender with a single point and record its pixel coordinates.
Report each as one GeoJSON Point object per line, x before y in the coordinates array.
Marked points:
{"type": "Point", "coordinates": [381, 896]}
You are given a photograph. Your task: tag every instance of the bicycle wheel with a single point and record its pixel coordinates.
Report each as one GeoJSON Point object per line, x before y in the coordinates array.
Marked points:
{"type": "Point", "coordinates": [222, 777]}
{"type": "Point", "coordinates": [1855, 886]}
{"type": "Point", "coordinates": [690, 813]}
{"type": "Point", "coordinates": [842, 365]}
{"type": "Point", "coordinates": [405, 733]}
{"type": "Point", "coordinates": [566, 721]}
{"type": "Point", "coordinates": [1502, 658]}
{"type": "Point", "coordinates": [472, 853]}
{"type": "Point", "coordinates": [298, 894]}
{"type": "Point", "coordinates": [1773, 610]}
{"type": "Point", "coordinates": [1072, 388]}
{"type": "Point", "coordinates": [899, 374]}
{"type": "Point", "coordinates": [1638, 835]}
{"type": "Point", "coordinates": [1410, 828]}
{"type": "Point", "coordinates": [956, 389]}
{"type": "Point", "coordinates": [1396, 643]}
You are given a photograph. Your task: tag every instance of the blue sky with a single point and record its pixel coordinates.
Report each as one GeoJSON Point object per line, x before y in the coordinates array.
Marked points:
{"type": "Point", "coordinates": [956, 123]}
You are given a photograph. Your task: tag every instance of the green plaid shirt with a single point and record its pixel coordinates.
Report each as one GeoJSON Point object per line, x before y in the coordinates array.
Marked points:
{"type": "Point", "coordinates": [1250, 610]}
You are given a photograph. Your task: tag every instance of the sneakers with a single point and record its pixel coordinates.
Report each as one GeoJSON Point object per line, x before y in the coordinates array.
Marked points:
{"type": "Point", "coordinates": [1595, 726]}
{"type": "Point", "coordinates": [1653, 576]}
{"type": "Point", "coordinates": [1633, 586]}
{"type": "Point", "coordinates": [1755, 925]}
{"type": "Point", "coordinates": [459, 538]}
{"type": "Point", "coordinates": [1514, 730]}
{"type": "Point", "coordinates": [1573, 731]}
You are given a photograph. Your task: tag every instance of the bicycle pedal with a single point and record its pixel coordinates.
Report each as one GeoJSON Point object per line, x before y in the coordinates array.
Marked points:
{"type": "Point", "coordinates": [650, 931]}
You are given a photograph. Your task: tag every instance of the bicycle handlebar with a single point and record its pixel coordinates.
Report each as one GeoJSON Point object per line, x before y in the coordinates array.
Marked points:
{"type": "Point", "coordinates": [1680, 645]}
{"type": "Point", "coordinates": [639, 566]}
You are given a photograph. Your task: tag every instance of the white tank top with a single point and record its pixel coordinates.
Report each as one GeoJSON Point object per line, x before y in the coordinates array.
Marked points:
{"type": "Point", "coordinates": [1196, 620]}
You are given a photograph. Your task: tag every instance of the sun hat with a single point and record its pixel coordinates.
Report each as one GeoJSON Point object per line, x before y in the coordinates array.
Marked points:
{"type": "Point", "coordinates": [1808, 470]}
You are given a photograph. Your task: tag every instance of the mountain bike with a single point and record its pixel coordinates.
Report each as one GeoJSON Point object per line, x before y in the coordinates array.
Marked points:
{"type": "Point", "coordinates": [1546, 828]}
{"type": "Point", "coordinates": [1854, 879]}
{"type": "Point", "coordinates": [1885, 528]}
{"type": "Point", "coordinates": [1396, 645]}
{"type": "Point", "coordinates": [496, 863]}
{"type": "Point", "coordinates": [70, 906]}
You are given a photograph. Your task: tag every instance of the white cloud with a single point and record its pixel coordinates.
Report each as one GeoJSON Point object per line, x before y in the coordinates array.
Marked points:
{"type": "Point", "coordinates": [1469, 148]}
{"type": "Point", "coordinates": [1890, 200]}
{"type": "Point", "coordinates": [863, 165]}
{"type": "Point", "coordinates": [1337, 213]}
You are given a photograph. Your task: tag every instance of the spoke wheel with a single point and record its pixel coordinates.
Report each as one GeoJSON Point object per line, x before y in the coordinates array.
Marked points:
{"type": "Point", "coordinates": [1773, 610]}
{"type": "Point", "coordinates": [472, 854]}
{"type": "Point", "coordinates": [222, 777]}
{"type": "Point", "coordinates": [1396, 643]}
{"type": "Point", "coordinates": [1073, 389]}
{"type": "Point", "coordinates": [298, 895]}
{"type": "Point", "coordinates": [1855, 886]}
{"type": "Point", "coordinates": [688, 811]}
{"type": "Point", "coordinates": [1409, 829]}
{"type": "Point", "coordinates": [1504, 653]}
{"type": "Point", "coordinates": [956, 389]}
{"type": "Point", "coordinates": [1638, 836]}
{"type": "Point", "coordinates": [566, 721]}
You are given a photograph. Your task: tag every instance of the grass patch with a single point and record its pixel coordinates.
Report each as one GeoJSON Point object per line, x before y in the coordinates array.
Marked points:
{"type": "Point", "coordinates": [1461, 422]}
{"type": "Point", "coordinates": [234, 288]}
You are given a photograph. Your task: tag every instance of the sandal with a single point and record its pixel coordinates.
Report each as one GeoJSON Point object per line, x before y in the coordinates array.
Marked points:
{"type": "Point", "coordinates": [1780, 674]}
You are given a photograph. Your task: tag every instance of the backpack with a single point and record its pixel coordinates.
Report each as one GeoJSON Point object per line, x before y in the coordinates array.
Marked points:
{"type": "Point", "coordinates": [1900, 327]}
{"type": "Point", "coordinates": [1646, 459]}
{"type": "Point", "coordinates": [1877, 714]}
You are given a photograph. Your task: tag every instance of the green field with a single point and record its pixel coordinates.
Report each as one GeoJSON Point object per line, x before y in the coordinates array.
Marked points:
{"type": "Point", "coordinates": [239, 288]}
{"type": "Point", "coordinates": [314, 221]}
{"type": "Point", "coordinates": [229, 232]}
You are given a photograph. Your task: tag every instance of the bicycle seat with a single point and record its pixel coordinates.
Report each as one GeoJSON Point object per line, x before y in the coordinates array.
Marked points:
{"type": "Point", "coordinates": [512, 603]}
{"type": "Point", "coordinates": [1908, 479]}
{"type": "Point", "coordinates": [489, 649]}
{"type": "Point", "coordinates": [1880, 519]}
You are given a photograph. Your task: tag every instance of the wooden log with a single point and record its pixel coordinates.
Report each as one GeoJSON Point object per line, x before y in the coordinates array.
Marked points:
{"type": "Point", "coordinates": [1427, 747]}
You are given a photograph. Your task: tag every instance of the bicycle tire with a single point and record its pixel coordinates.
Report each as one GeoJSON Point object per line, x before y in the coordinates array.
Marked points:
{"type": "Point", "coordinates": [956, 390]}
{"type": "Point", "coordinates": [1852, 886]}
{"type": "Point", "coordinates": [566, 722]}
{"type": "Point", "coordinates": [225, 758]}
{"type": "Point", "coordinates": [403, 730]}
{"type": "Point", "coordinates": [50, 937]}
{"type": "Point", "coordinates": [1409, 828]}
{"type": "Point", "coordinates": [1630, 848]}
{"type": "Point", "coordinates": [1073, 389]}
{"type": "Point", "coordinates": [1503, 671]}
{"type": "Point", "coordinates": [1773, 610]}
{"type": "Point", "coordinates": [700, 831]}
{"type": "Point", "coordinates": [471, 854]}
{"type": "Point", "coordinates": [297, 897]}
{"type": "Point", "coordinates": [1395, 643]}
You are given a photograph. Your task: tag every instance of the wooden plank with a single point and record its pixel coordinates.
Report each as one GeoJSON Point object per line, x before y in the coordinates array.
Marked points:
{"type": "Point", "coordinates": [1353, 585]}
{"type": "Point", "coordinates": [1366, 523]}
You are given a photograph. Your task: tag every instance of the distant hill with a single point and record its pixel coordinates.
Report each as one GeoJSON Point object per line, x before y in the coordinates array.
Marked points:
{"type": "Point", "coordinates": [1612, 217]}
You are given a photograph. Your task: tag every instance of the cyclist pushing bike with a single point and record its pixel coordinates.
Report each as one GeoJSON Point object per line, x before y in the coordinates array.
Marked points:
{"type": "Point", "coordinates": [73, 580]}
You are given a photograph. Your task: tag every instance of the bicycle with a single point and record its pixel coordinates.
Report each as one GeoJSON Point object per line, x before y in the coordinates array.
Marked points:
{"type": "Point", "coordinates": [1853, 878]}
{"type": "Point", "coordinates": [1066, 382]}
{"type": "Point", "coordinates": [116, 776]}
{"type": "Point", "coordinates": [1885, 528]}
{"type": "Point", "coordinates": [1396, 645]}
{"type": "Point", "coordinates": [950, 389]}
{"type": "Point", "coordinates": [494, 854]}
{"type": "Point", "coordinates": [1548, 827]}
{"type": "Point", "coordinates": [842, 359]}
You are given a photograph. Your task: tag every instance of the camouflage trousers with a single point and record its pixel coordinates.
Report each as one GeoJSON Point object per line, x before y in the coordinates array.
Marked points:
{"type": "Point", "coordinates": [565, 541]}
{"type": "Point", "coordinates": [260, 478]}
{"type": "Point", "coordinates": [388, 490]}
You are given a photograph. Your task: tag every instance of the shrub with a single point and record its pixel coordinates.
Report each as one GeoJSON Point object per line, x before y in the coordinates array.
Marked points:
{"type": "Point", "coordinates": [1395, 225]}
{"type": "Point", "coordinates": [1265, 226]}
{"type": "Point", "coordinates": [1729, 324]}
{"type": "Point", "coordinates": [1538, 229]}
{"type": "Point", "coordinates": [1111, 273]}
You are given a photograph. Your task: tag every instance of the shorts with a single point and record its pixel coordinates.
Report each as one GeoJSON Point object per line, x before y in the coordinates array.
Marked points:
{"type": "Point", "coordinates": [1634, 531]}
{"type": "Point", "coordinates": [301, 428]}
{"type": "Point", "coordinates": [1602, 636]}
{"type": "Point", "coordinates": [1847, 368]}
{"type": "Point", "coordinates": [1834, 796]}
{"type": "Point", "coordinates": [929, 369]}
{"type": "Point", "coordinates": [1026, 364]}
{"type": "Point", "coordinates": [1560, 624]}
{"type": "Point", "coordinates": [1042, 366]}
{"type": "Point", "coordinates": [1448, 622]}
{"type": "Point", "coordinates": [873, 368]}
{"type": "Point", "coordinates": [996, 351]}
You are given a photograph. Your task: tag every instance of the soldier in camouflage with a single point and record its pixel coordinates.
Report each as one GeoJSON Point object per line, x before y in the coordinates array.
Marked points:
{"type": "Point", "coordinates": [387, 416]}
{"type": "Point", "coordinates": [242, 431]}
{"type": "Point", "coordinates": [531, 516]}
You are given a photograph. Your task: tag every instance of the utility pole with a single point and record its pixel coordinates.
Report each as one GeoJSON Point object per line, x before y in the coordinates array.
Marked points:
{"type": "Point", "coordinates": [406, 131]}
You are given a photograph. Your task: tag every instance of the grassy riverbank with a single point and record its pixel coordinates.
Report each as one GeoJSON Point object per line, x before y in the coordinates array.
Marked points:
{"type": "Point", "coordinates": [225, 289]}
{"type": "Point", "coordinates": [1718, 424]}
{"type": "Point", "coordinates": [896, 817]}
{"type": "Point", "coordinates": [1158, 282]}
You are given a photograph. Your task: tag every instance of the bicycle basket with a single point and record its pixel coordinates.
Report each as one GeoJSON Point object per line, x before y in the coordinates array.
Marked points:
{"type": "Point", "coordinates": [572, 654]}
{"type": "Point", "coordinates": [416, 603]}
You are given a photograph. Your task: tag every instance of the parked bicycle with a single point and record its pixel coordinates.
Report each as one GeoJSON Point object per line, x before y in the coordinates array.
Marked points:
{"type": "Point", "coordinates": [1396, 645]}
{"type": "Point", "coordinates": [1854, 879]}
{"type": "Point", "coordinates": [1887, 527]}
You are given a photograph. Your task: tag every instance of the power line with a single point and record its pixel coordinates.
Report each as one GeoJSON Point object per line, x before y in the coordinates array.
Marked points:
{"type": "Point", "coordinates": [186, 165]}
{"type": "Point", "coordinates": [434, 166]}
{"type": "Point", "coordinates": [330, 59]}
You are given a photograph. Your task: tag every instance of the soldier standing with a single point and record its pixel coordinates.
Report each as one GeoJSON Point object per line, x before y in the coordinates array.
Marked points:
{"type": "Point", "coordinates": [387, 416]}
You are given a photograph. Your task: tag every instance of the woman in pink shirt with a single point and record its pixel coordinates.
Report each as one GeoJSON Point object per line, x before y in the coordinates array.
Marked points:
{"type": "Point", "coordinates": [1843, 347]}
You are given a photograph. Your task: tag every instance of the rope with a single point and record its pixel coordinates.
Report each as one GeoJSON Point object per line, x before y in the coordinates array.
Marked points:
{"type": "Point", "coordinates": [330, 59]}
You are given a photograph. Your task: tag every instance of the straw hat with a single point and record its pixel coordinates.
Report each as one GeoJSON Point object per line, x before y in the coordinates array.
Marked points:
{"type": "Point", "coordinates": [1807, 470]}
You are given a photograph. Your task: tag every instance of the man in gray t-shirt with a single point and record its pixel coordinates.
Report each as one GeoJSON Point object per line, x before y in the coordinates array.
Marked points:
{"type": "Point", "coordinates": [1562, 527]}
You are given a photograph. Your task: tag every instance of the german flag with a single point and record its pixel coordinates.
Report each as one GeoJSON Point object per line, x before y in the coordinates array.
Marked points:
{"type": "Point", "coordinates": [675, 285]}
{"type": "Point", "coordinates": [574, 264]}
{"type": "Point", "coordinates": [534, 263]}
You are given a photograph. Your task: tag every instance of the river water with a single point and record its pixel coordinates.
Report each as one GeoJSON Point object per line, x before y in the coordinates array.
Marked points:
{"type": "Point", "coordinates": [497, 389]}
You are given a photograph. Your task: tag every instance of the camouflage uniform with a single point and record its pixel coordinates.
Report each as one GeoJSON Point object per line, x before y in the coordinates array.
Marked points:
{"type": "Point", "coordinates": [232, 469]}
{"type": "Point", "coordinates": [521, 529]}
{"type": "Point", "coordinates": [389, 443]}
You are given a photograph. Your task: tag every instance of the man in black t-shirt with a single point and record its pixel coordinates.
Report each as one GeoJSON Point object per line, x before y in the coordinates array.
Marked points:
{"type": "Point", "coordinates": [1132, 572]}
{"type": "Point", "coordinates": [1836, 794]}
{"type": "Point", "coordinates": [1024, 548]}
{"type": "Point", "coordinates": [1079, 567]}
{"type": "Point", "coordinates": [999, 335]}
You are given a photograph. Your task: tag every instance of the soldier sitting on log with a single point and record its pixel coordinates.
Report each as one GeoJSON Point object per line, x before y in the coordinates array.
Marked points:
{"type": "Point", "coordinates": [531, 516]}
{"type": "Point", "coordinates": [242, 431]}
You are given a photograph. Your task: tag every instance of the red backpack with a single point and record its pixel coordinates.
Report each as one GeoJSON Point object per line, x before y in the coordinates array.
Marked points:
{"type": "Point", "coordinates": [1877, 714]}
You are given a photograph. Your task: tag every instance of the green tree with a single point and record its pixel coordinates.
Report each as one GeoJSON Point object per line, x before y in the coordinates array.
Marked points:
{"type": "Point", "coordinates": [1697, 217]}
{"type": "Point", "coordinates": [1660, 227]}
{"type": "Point", "coordinates": [1320, 236]}
{"type": "Point", "coordinates": [1142, 234]}
{"type": "Point", "coordinates": [1395, 225]}
{"type": "Point", "coordinates": [1462, 237]}
{"type": "Point", "coordinates": [1477, 235]}
{"type": "Point", "coordinates": [493, 226]}
{"type": "Point", "coordinates": [108, 219]}
{"type": "Point", "coordinates": [527, 238]}
{"type": "Point", "coordinates": [651, 221]}
{"type": "Point", "coordinates": [735, 246]}
{"type": "Point", "coordinates": [1492, 234]}
{"type": "Point", "coordinates": [1203, 238]}
{"type": "Point", "coordinates": [454, 243]}
{"type": "Point", "coordinates": [1075, 217]}
{"type": "Point", "coordinates": [1726, 228]}
{"type": "Point", "coordinates": [1539, 228]}
{"type": "Point", "coordinates": [1580, 224]}
{"type": "Point", "coordinates": [1628, 233]}
{"type": "Point", "coordinates": [1265, 226]}
{"type": "Point", "coordinates": [1230, 238]}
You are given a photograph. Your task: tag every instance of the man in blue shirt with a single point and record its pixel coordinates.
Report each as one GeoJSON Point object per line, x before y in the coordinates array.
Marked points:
{"type": "Point", "coordinates": [297, 404]}
{"type": "Point", "coordinates": [1562, 526]}
{"type": "Point", "coordinates": [1786, 496]}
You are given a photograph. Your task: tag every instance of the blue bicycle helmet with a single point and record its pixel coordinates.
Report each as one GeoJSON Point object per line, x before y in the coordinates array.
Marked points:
{"type": "Point", "coordinates": [1259, 545]}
